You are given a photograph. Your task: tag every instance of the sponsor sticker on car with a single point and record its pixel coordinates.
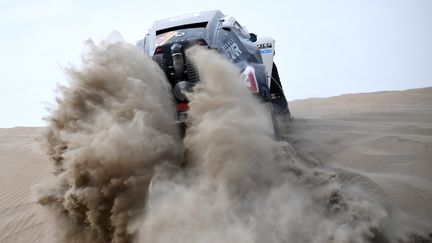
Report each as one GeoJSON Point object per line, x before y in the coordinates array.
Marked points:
{"type": "Point", "coordinates": [266, 51]}
{"type": "Point", "coordinates": [265, 45]}
{"type": "Point", "coordinates": [232, 49]}
{"type": "Point", "coordinates": [165, 37]}
{"type": "Point", "coordinates": [183, 17]}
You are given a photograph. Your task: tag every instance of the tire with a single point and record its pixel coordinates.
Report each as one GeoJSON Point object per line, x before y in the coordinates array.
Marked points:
{"type": "Point", "coordinates": [276, 128]}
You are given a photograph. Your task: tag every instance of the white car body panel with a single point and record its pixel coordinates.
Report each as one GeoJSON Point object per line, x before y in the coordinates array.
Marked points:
{"type": "Point", "coordinates": [267, 49]}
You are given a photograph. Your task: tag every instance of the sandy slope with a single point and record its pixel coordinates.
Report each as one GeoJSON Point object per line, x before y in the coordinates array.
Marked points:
{"type": "Point", "coordinates": [385, 138]}
{"type": "Point", "coordinates": [23, 164]}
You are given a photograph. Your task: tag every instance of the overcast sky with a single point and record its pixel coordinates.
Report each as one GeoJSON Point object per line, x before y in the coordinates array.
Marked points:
{"type": "Point", "coordinates": [323, 48]}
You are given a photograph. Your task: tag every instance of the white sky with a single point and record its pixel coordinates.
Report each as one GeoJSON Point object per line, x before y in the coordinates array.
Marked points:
{"type": "Point", "coordinates": [323, 48]}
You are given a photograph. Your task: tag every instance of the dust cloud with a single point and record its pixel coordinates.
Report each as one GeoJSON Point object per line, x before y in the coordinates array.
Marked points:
{"type": "Point", "coordinates": [113, 124]}
{"type": "Point", "coordinates": [124, 174]}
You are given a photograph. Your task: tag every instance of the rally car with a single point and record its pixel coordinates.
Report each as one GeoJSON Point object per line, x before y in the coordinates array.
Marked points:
{"type": "Point", "coordinates": [168, 39]}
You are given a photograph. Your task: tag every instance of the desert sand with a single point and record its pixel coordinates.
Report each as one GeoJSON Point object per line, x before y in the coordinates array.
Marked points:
{"type": "Point", "coordinates": [384, 137]}
{"type": "Point", "coordinates": [23, 164]}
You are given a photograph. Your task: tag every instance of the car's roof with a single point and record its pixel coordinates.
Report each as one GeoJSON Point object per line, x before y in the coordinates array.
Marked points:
{"type": "Point", "coordinates": [197, 17]}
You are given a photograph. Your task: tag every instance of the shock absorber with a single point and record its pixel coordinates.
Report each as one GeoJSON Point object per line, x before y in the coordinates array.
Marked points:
{"type": "Point", "coordinates": [178, 61]}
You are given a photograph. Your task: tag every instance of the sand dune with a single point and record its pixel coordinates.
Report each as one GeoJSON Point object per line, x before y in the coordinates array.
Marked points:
{"type": "Point", "coordinates": [384, 139]}
{"type": "Point", "coordinates": [384, 136]}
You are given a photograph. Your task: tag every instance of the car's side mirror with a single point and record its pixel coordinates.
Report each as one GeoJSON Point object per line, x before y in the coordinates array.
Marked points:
{"type": "Point", "coordinates": [253, 37]}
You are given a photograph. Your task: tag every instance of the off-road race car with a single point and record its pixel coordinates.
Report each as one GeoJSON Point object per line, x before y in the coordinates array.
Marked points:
{"type": "Point", "coordinates": [168, 39]}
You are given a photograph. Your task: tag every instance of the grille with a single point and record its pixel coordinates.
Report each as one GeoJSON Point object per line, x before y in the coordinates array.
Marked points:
{"type": "Point", "coordinates": [191, 71]}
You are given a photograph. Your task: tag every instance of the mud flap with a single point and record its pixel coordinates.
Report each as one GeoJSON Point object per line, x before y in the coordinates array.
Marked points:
{"type": "Point", "coordinates": [277, 97]}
